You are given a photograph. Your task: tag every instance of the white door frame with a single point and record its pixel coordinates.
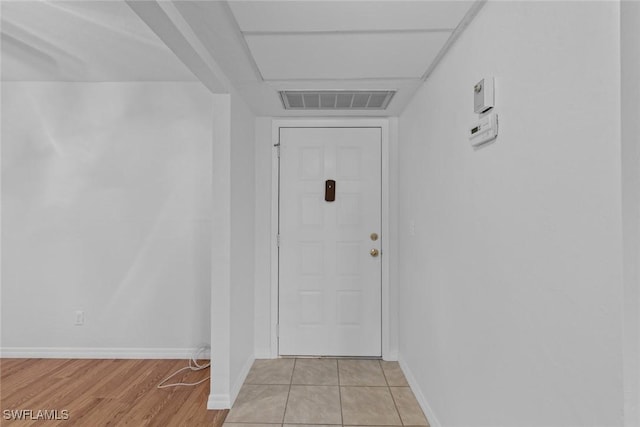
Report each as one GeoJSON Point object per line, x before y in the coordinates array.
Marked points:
{"type": "Point", "coordinates": [383, 124]}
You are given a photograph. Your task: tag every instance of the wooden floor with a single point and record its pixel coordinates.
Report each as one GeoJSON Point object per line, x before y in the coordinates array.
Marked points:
{"type": "Point", "coordinates": [104, 393]}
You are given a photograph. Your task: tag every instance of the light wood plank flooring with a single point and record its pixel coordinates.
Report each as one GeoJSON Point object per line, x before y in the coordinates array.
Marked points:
{"type": "Point", "coordinates": [104, 393]}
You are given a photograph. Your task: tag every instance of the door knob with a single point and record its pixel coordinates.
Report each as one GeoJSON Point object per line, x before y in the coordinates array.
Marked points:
{"type": "Point", "coordinates": [374, 252]}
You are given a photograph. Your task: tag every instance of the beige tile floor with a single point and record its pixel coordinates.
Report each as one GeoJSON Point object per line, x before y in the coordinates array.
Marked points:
{"type": "Point", "coordinates": [325, 392]}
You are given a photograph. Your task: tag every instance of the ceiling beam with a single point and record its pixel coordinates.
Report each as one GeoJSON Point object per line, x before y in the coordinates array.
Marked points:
{"type": "Point", "coordinates": [240, 35]}
{"type": "Point", "coordinates": [166, 28]}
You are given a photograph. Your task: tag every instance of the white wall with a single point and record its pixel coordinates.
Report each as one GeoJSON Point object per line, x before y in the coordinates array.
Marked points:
{"type": "Point", "coordinates": [232, 295]}
{"type": "Point", "coordinates": [106, 192]}
{"type": "Point", "coordinates": [243, 195]}
{"type": "Point", "coordinates": [511, 285]}
{"type": "Point", "coordinates": [630, 92]}
{"type": "Point", "coordinates": [220, 382]}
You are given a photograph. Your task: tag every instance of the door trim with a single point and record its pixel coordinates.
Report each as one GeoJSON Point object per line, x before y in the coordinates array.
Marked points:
{"type": "Point", "coordinates": [383, 124]}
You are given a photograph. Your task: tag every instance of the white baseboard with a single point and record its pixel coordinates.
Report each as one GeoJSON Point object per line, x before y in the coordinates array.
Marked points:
{"type": "Point", "coordinates": [391, 356]}
{"type": "Point", "coordinates": [263, 354]}
{"type": "Point", "coordinates": [417, 391]}
{"type": "Point", "coordinates": [218, 401]}
{"type": "Point", "coordinates": [225, 401]}
{"type": "Point", "coordinates": [98, 353]}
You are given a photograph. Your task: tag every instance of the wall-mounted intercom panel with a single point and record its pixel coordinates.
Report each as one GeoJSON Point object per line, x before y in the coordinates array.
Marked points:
{"type": "Point", "coordinates": [484, 130]}
{"type": "Point", "coordinates": [483, 95]}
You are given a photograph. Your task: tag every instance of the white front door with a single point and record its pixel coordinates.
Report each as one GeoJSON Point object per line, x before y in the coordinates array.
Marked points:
{"type": "Point", "coordinates": [329, 271]}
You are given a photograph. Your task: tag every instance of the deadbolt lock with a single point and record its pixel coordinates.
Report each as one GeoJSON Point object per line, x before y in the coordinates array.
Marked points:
{"type": "Point", "coordinates": [374, 252]}
{"type": "Point", "coordinates": [374, 236]}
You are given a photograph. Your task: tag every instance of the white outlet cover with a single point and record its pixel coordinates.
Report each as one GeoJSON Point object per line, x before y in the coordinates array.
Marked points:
{"type": "Point", "coordinates": [79, 318]}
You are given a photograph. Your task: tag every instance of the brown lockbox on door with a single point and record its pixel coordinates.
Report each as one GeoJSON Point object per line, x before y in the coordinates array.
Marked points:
{"type": "Point", "coordinates": [330, 190]}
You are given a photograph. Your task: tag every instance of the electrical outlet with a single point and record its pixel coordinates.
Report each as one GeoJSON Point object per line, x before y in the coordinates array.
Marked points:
{"type": "Point", "coordinates": [79, 318]}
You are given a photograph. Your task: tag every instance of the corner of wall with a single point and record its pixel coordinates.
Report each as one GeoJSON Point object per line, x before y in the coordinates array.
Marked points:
{"type": "Point", "coordinates": [630, 110]}
{"type": "Point", "coordinates": [237, 385]}
{"type": "Point", "coordinates": [417, 391]}
{"type": "Point", "coordinates": [263, 159]}
{"type": "Point", "coordinates": [393, 239]}
{"type": "Point", "coordinates": [220, 256]}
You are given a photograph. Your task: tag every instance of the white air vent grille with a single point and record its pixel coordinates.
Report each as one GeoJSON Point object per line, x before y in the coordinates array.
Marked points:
{"type": "Point", "coordinates": [336, 100]}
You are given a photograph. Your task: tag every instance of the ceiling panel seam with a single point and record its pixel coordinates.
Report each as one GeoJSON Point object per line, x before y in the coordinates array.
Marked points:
{"type": "Point", "coordinates": [345, 32]}
{"type": "Point", "coordinates": [348, 79]}
{"type": "Point", "coordinates": [466, 20]}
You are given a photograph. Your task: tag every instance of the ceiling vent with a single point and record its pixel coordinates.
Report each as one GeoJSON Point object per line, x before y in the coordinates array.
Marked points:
{"type": "Point", "coordinates": [336, 100]}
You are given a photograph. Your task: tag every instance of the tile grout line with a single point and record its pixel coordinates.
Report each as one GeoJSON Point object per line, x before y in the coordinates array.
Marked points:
{"type": "Point", "coordinates": [333, 385]}
{"type": "Point", "coordinates": [289, 392]}
{"type": "Point", "coordinates": [296, 424]}
{"type": "Point", "coordinates": [340, 393]}
{"type": "Point", "coordinates": [395, 405]}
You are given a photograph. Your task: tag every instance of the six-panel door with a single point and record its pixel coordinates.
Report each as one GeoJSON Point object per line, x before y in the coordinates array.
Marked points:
{"type": "Point", "coordinates": [329, 271]}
